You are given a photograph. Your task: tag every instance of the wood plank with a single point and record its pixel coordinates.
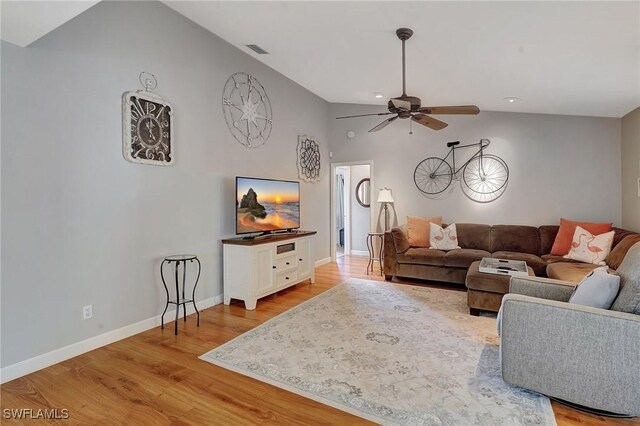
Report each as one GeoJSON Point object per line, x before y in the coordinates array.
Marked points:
{"type": "Point", "coordinates": [156, 378]}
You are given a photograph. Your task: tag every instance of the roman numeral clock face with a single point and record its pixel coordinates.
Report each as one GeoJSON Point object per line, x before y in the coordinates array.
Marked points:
{"type": "Point", "coordinates": [148, 129]}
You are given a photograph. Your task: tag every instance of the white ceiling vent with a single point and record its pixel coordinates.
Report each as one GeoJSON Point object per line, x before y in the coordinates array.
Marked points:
{"type": "Point", "coordinates": [259, 50]}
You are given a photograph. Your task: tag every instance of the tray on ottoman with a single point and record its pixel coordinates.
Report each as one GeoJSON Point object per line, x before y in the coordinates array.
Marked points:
{"type": "Point", "coordinates": [489, 265]}
{"type": "Point", "coordinates": [485, 291]}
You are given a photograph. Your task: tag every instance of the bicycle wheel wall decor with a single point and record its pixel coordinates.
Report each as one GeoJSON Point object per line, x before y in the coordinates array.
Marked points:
{"type": "Point", "coordinates": [433, 175]}
{"type": "Point", "coordinates": [484, 176]}
{"type": "Point", "coordinates": [484, 179]}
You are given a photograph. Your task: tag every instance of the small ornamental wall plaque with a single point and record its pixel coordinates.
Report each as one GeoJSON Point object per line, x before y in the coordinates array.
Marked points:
{"type": "Point", "coordinates": [147, 124]}
{"type": "Point", "coordinates": [308, 158]}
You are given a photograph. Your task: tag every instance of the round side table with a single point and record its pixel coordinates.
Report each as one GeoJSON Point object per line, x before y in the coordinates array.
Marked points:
{"type": "Point", "coordinates": [177, 260]}
{"type": "Point", "coordinates": [371, 247]}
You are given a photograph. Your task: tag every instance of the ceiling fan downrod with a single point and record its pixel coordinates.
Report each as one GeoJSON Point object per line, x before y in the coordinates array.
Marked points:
{"type": "Point", "coordinates": [404, 34]}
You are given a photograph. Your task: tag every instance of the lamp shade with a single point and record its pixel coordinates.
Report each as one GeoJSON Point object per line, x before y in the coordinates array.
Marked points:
{"type": "Point", "coordinates": [384, 196]}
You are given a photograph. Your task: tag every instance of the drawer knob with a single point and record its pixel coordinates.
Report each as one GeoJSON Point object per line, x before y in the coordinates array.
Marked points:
{"type": "Point", "coordinates": [273, 267]}
{"type": "Point", "coordinates": [287, 277]}
{"type": "Point", "coordinates": [300, 260]}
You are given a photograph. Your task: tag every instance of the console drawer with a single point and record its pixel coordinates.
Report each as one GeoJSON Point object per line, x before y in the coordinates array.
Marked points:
{"type": "Point", "coordinates": [286, 262]}
{"type": "Point", "coordinates": [287, 278]}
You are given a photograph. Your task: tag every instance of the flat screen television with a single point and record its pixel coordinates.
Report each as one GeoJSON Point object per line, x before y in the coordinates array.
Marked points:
{"type": "Point", "coordinates": [266, 205]}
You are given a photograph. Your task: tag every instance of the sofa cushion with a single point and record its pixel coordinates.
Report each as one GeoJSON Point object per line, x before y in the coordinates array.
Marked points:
{"type": "Point", "coordinates": [562, 244]}
{"type": "Point", "coordinates": [474, 236]}
{"type": "Point", "coordinates": [621, 234]}
{"type": "Point", "coordinates": [536, 263]}
{"type": "Point", "coordinates": [628, 299]}
{"type": "Point", "coordinates": [418, 229]}
{"type": "Point", "coordinates": [552, 258]}
{"type": "Point", "coordinates": [443, 238]}
{"type": "Point", "coordinates": [422, 256]}
{"type": "Point", "coordinates": [598, 289]}
{"type": "Point", "coordinates": [400, 239]}
{"type": "Point", "coordinates": [617, 255]}
{"type": "Point", "coordinates": [515, 238]}
{"type": "Point", "coordinates": [547, 237]}
{"type": "Point", "coordinates": [569, 271]}
{"type": "Point", "coordinates": [590, 248]}
{"type": "Point", "coordinates": [463, 258]}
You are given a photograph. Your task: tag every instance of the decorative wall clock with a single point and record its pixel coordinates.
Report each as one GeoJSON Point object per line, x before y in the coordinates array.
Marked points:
{"type": "Point", "coordinates": [308, 158]}
{"type": "Point", "coordinates": [247, 110]}
{"type": "Point", "coordinates": [147, 125]}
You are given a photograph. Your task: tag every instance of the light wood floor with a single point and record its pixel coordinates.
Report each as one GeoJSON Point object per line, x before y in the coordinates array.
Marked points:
{"type": "Point", "coordinates": [156, 378]}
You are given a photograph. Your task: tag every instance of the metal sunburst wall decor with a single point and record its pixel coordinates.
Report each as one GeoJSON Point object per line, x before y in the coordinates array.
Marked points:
{"type": "Point", "coordinates": [247, 110]}
{"type": "Point", "coordinates": [308, 159]}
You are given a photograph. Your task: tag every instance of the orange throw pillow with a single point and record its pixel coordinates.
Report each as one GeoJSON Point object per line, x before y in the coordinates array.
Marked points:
{"type": "Point", "coordinates": [562, 243]}
{"type": "Point", "coordinates": [418, 230]}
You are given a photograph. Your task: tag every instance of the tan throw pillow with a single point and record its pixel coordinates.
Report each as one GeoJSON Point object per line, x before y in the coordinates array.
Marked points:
{"type": "Point", "coordinates": [615, 258]}
{"type": "Point", "coordinates": [590, 248]}
{"type": "Point", "coordinates": [418, 229]}
{"type": "Point", "coordinates": [443, 238]}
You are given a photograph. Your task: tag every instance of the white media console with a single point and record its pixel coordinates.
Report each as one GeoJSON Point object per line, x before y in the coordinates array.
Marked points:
{"type": "Point", "coordinates": [254, 268]}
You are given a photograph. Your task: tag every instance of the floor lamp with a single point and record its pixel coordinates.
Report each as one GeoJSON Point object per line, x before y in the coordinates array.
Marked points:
{"type": "Point", "coordinates": [384, 197]}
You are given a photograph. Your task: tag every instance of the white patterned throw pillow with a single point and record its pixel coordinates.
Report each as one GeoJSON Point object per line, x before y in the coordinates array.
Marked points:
{"type": "Point", "coordinates": [590, 248]}
{"type": "Point", "coordinates": [443, 238]}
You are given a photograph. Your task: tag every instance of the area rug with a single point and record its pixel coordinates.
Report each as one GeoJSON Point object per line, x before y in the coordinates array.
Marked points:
{"type": "Point", "coordinates": [389, 353]}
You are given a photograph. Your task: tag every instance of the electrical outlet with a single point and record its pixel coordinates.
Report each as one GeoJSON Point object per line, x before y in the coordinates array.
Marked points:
{"type": "Point", "coordinates": [87, 312]}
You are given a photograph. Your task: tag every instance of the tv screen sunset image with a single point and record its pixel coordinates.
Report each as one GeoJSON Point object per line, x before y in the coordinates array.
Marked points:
{"type": "Point", "coordinates": [266, 205]}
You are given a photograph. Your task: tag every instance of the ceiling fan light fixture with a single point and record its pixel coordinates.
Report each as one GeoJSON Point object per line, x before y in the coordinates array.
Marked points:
{"type": "Point", "coordinates": [512, 99]}
{"type": "Point", "coordinates": [410, 107]}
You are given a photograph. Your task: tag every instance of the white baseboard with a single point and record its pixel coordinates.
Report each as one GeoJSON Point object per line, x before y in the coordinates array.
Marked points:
{"type": "Point", "coordinates": [39, 362]}
{"type": "Point", "coordinates": [323, 261]}
{"type": "Point", "coordinates": [359, 253]}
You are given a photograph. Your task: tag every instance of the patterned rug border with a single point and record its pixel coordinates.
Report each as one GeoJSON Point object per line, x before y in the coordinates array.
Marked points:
{"type": "Point", "coordinates": [285, 386]}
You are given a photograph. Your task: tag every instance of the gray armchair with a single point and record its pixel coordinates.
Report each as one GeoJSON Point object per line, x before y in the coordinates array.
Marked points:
{"type": "Point", "coordinates": [583, 355]}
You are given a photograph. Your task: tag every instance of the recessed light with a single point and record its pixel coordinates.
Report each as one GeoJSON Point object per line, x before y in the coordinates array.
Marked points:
{"type": "Point", "coordinates": [512, 99]}
{"type": "Point", "coordinates": [378, 95]}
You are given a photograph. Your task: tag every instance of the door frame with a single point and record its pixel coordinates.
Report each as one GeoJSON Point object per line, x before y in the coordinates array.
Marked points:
{"type": "Point", "coordinates": [333, 205]}
{"type": "Point", "coordinates": [346, 200]}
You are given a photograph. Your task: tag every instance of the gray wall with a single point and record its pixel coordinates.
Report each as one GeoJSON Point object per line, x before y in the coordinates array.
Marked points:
{"type": "Point", "coordinates": [83, 226]}
{"type": "Point", "coordinates": [560, 166]}
{"type": "Point", "coordinates": [631, 170]}
{"type": "Point", "coordinates": [360, 216]}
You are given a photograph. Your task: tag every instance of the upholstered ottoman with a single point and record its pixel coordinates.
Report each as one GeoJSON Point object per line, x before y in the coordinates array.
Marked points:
{"type": "Point", "coordinates": [485, 291]}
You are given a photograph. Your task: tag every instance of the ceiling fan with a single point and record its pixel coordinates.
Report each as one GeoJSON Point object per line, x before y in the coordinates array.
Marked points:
{"type": "Point", "coordinates": [410, 106]}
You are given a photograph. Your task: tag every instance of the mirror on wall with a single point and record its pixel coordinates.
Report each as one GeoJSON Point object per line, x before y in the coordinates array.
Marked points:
{"type": "Point", "coordinates": [363, 193]}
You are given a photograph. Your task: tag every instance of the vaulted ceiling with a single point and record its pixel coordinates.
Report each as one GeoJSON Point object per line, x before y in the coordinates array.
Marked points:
{"type": "Point", "coordinates": [578, 58]}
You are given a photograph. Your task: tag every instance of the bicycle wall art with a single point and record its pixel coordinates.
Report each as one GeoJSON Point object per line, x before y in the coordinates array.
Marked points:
{"type": "Point", "coordinates": [484, 176]}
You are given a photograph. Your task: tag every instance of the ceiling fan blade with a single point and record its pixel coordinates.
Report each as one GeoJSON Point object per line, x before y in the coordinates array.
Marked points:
{"type": "Point", "coordinates": [400, 104]}
{"type": "Point", "coordinates": [430, 122]}
{"type": "Point", "coordinates": [365, 115]}
{"type": "Point", "coordinates": [462, 109]}
{"type": "Point", "coordinates": [384, 124]}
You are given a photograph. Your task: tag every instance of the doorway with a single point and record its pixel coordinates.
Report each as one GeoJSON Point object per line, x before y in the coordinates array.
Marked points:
{"type": "Point", "coordinates": [342, 214]}
{"type": "Point", "coordinates": [351, 209]}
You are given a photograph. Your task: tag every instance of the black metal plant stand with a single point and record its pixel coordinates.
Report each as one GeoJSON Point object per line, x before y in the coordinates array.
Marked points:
{"type": "Point", "coordinates": [180, 259]}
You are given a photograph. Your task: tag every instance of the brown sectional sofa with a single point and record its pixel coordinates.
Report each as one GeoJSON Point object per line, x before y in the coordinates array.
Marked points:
{"type": "Point", "coordinates": [529, 243]}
